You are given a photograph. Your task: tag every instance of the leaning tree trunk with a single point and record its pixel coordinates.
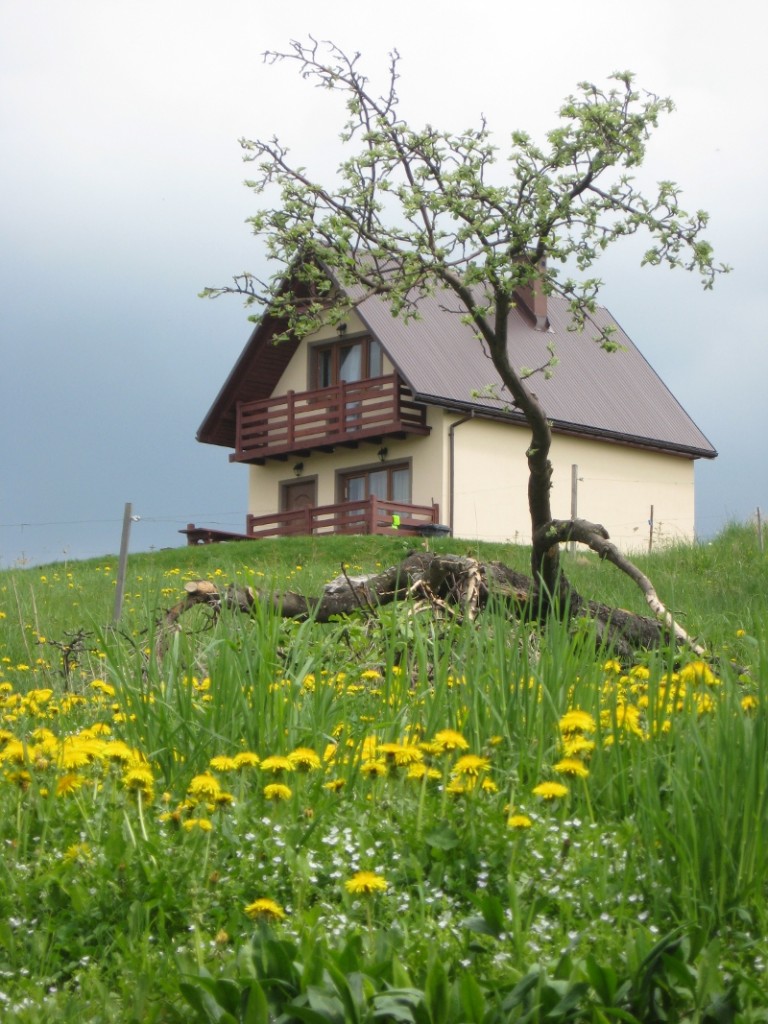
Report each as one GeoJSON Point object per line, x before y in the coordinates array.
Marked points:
{"type": "Point", "coordinates": [552, 590]}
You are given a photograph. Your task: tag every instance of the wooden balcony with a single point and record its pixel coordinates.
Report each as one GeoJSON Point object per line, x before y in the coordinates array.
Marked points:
{"type": "Point", "coordinates": [299, 423]}
{"type": "Point", "coordinates": [369, 516]}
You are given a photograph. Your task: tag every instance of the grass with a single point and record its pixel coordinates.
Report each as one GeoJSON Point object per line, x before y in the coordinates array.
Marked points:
{"type": "Point", "coordinates": [545, 835]}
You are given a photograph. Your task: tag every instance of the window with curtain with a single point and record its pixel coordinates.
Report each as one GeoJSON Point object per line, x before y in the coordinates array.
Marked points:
{"type": "Point", "coordinates": [349, 360]}
{"type": "Point", "coordinates": [389, 483]}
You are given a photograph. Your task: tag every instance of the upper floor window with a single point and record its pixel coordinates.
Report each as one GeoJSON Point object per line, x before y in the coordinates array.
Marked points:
{"type": "Point", "coordinates": [350, 360]}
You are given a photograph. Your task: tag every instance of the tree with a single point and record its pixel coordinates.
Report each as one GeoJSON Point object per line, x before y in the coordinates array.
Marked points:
{"type": "Point", "coordinates": [413, 210]}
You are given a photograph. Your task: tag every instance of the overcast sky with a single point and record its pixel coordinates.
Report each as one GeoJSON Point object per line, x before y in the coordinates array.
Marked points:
{"type": "Point", "coordinates": [122, 197]}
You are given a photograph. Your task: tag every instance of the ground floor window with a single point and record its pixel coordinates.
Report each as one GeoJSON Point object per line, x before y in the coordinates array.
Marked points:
{"type": "Point", "coordinates": [389, 483]}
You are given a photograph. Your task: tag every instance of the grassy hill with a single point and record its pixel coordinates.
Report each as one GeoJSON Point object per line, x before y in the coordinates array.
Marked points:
{"type": "Point", "coordinates": [395, 818]}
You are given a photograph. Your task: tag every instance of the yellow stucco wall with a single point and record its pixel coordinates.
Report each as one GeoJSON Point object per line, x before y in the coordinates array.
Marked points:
{"type": "Point", "coordinates": [296, 375]}
{"type": "Point", "coordinates": [616, 486]}
{"type": "Point", "coordinates": [426, 455]}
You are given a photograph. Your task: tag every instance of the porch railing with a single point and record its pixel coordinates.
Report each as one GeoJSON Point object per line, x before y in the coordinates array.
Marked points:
{"type": "Point", "coordinates": [371, 515]}
{"type": "Point", "coordinates": [299, 422]}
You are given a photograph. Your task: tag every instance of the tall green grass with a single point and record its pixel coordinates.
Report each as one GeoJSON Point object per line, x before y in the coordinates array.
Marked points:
{"type": "Point", "coordinates": [122, 896]}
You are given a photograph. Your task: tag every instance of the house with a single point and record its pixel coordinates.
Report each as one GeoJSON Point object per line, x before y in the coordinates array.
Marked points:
{"type": "Point", "coordinates": [382, 425]}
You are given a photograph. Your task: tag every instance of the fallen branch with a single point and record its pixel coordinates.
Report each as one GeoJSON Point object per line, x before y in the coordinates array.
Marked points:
{"type": "Point", "coordinates": [441, 582]}
{"type": "Point", "coordinates": [595, 536]}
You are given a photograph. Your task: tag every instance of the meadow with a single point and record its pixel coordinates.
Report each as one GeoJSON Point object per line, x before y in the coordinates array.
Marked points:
{"type": "Point", "coordinates": [387, 818]}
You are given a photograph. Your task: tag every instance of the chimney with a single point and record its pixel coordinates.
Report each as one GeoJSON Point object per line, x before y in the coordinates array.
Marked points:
{"type": "Point", "coordinates": [534, 301]}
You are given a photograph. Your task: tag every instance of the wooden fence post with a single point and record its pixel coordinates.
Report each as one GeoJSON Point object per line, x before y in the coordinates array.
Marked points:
{"type": "Point", "coordinates": [574, 500]}
{"type": "Point", "coordinates": [123, 563]}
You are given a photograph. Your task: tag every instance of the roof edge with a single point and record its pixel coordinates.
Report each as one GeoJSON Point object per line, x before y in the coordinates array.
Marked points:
{"type": "Point", "coordinates": [573, 429]}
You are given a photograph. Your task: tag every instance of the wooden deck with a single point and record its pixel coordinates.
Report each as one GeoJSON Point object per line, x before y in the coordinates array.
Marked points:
{"type": "Point", "coordinates": [372, 516]}
{"type": "Point", "coordinates": [298, 423]}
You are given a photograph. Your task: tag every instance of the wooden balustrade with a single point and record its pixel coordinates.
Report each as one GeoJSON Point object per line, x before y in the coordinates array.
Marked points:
{"type": "Point", "coordinates": [371, 515]}
{"type": "Point", "coordinates": [299, 422]}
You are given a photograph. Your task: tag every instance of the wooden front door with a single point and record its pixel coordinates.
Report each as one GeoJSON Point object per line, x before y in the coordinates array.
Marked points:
{"type": "Point", "coordinates": [298, 495]}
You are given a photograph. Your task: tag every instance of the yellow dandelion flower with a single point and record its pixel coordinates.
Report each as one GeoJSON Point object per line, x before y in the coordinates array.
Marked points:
{"type": "Point", "coordinates": [265, 909]}
{"type": "Point", "coordinates": [704, 704]}
{"type": "Point", "coordinates": [740, 633]}
{"type": "Point", "coordinates": [366, 883]}
{"type": "Point", "coordinates": [246, 759]}
{"type": "Point", "coordinates": [277, 791]}
{"type": "Point", "coordinates": [449, 739]}
{"type": "Point", "coordinates": [74, 756]}
{"type": "Point", "coordinates": [519, 821]}
{"type": "Point", "coordinates": [80, 852]}
{"type": "Point", "coordinates": [576, 720]}
{"type": "Point", "coordinates": [15, 752]}
{"type": "Point", "coordinates": [102, 687]}
{"type": "Point", "coordinates": [627, 717]}
{"type": "Point", "coordinates": [69, 783]}
{"type": "Point", "coordinates": [303, 759]}
{"type": "Point", "coordinates": [139, 778]}
{"type": "Point", "coordinates": [276, 764]}
{"type": "Point", "coordinates": [389, 751]}
{"type": "Point", "coordinates": [334, 785]}
{"type": "Point", "coordinates": [204, 787]}
{"type": "Point", "coordinates": [471, 764]}
{"type": "Point", "coordinates": [202, 823]}
{"type": "Point", "coordinates": [430, 748]}
{"type": "Point", "coordinates": [420, 771]}
{"type": "Point", "coordinates": [118, 750]}
{"type": "Point", "coordinates": [698, 672]}
{"type": "Point", "coordinates": [577, 746]}
{"type": "Point", "coordinates": [39, 696]}
{"type": "Point", "coordinates": [222, 763]}
{"type": "Point", "coordinates": [407, 755]}
{"type": "Point", "coordinates": [21, 778]}
{"type": "Point", "coordinates": [550, 790]}
{"type": "Point", "coordinates": [458, 788]}
{"type": "Point", "coordinates": [750, 702]}
{"type": "Point", "coordinates": [572, 766]}
{"type": "Point", "coordinates": [369, 749]}
{"type": "Point", "coordinates": [374, 769]}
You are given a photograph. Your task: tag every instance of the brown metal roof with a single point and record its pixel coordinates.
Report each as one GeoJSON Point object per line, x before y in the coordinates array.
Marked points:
{"type": "Point", "coordinates": [614, 396]}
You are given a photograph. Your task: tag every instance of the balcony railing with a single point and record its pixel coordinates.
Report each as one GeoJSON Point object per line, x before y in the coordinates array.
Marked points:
{"type": "Point", "coordinates": [371, 515]}
{"type": "Point", "coordinates": [299, 422]}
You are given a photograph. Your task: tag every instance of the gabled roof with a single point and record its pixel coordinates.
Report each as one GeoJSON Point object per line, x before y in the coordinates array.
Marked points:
{"type": "Point", "coordinates": [592, 393]}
